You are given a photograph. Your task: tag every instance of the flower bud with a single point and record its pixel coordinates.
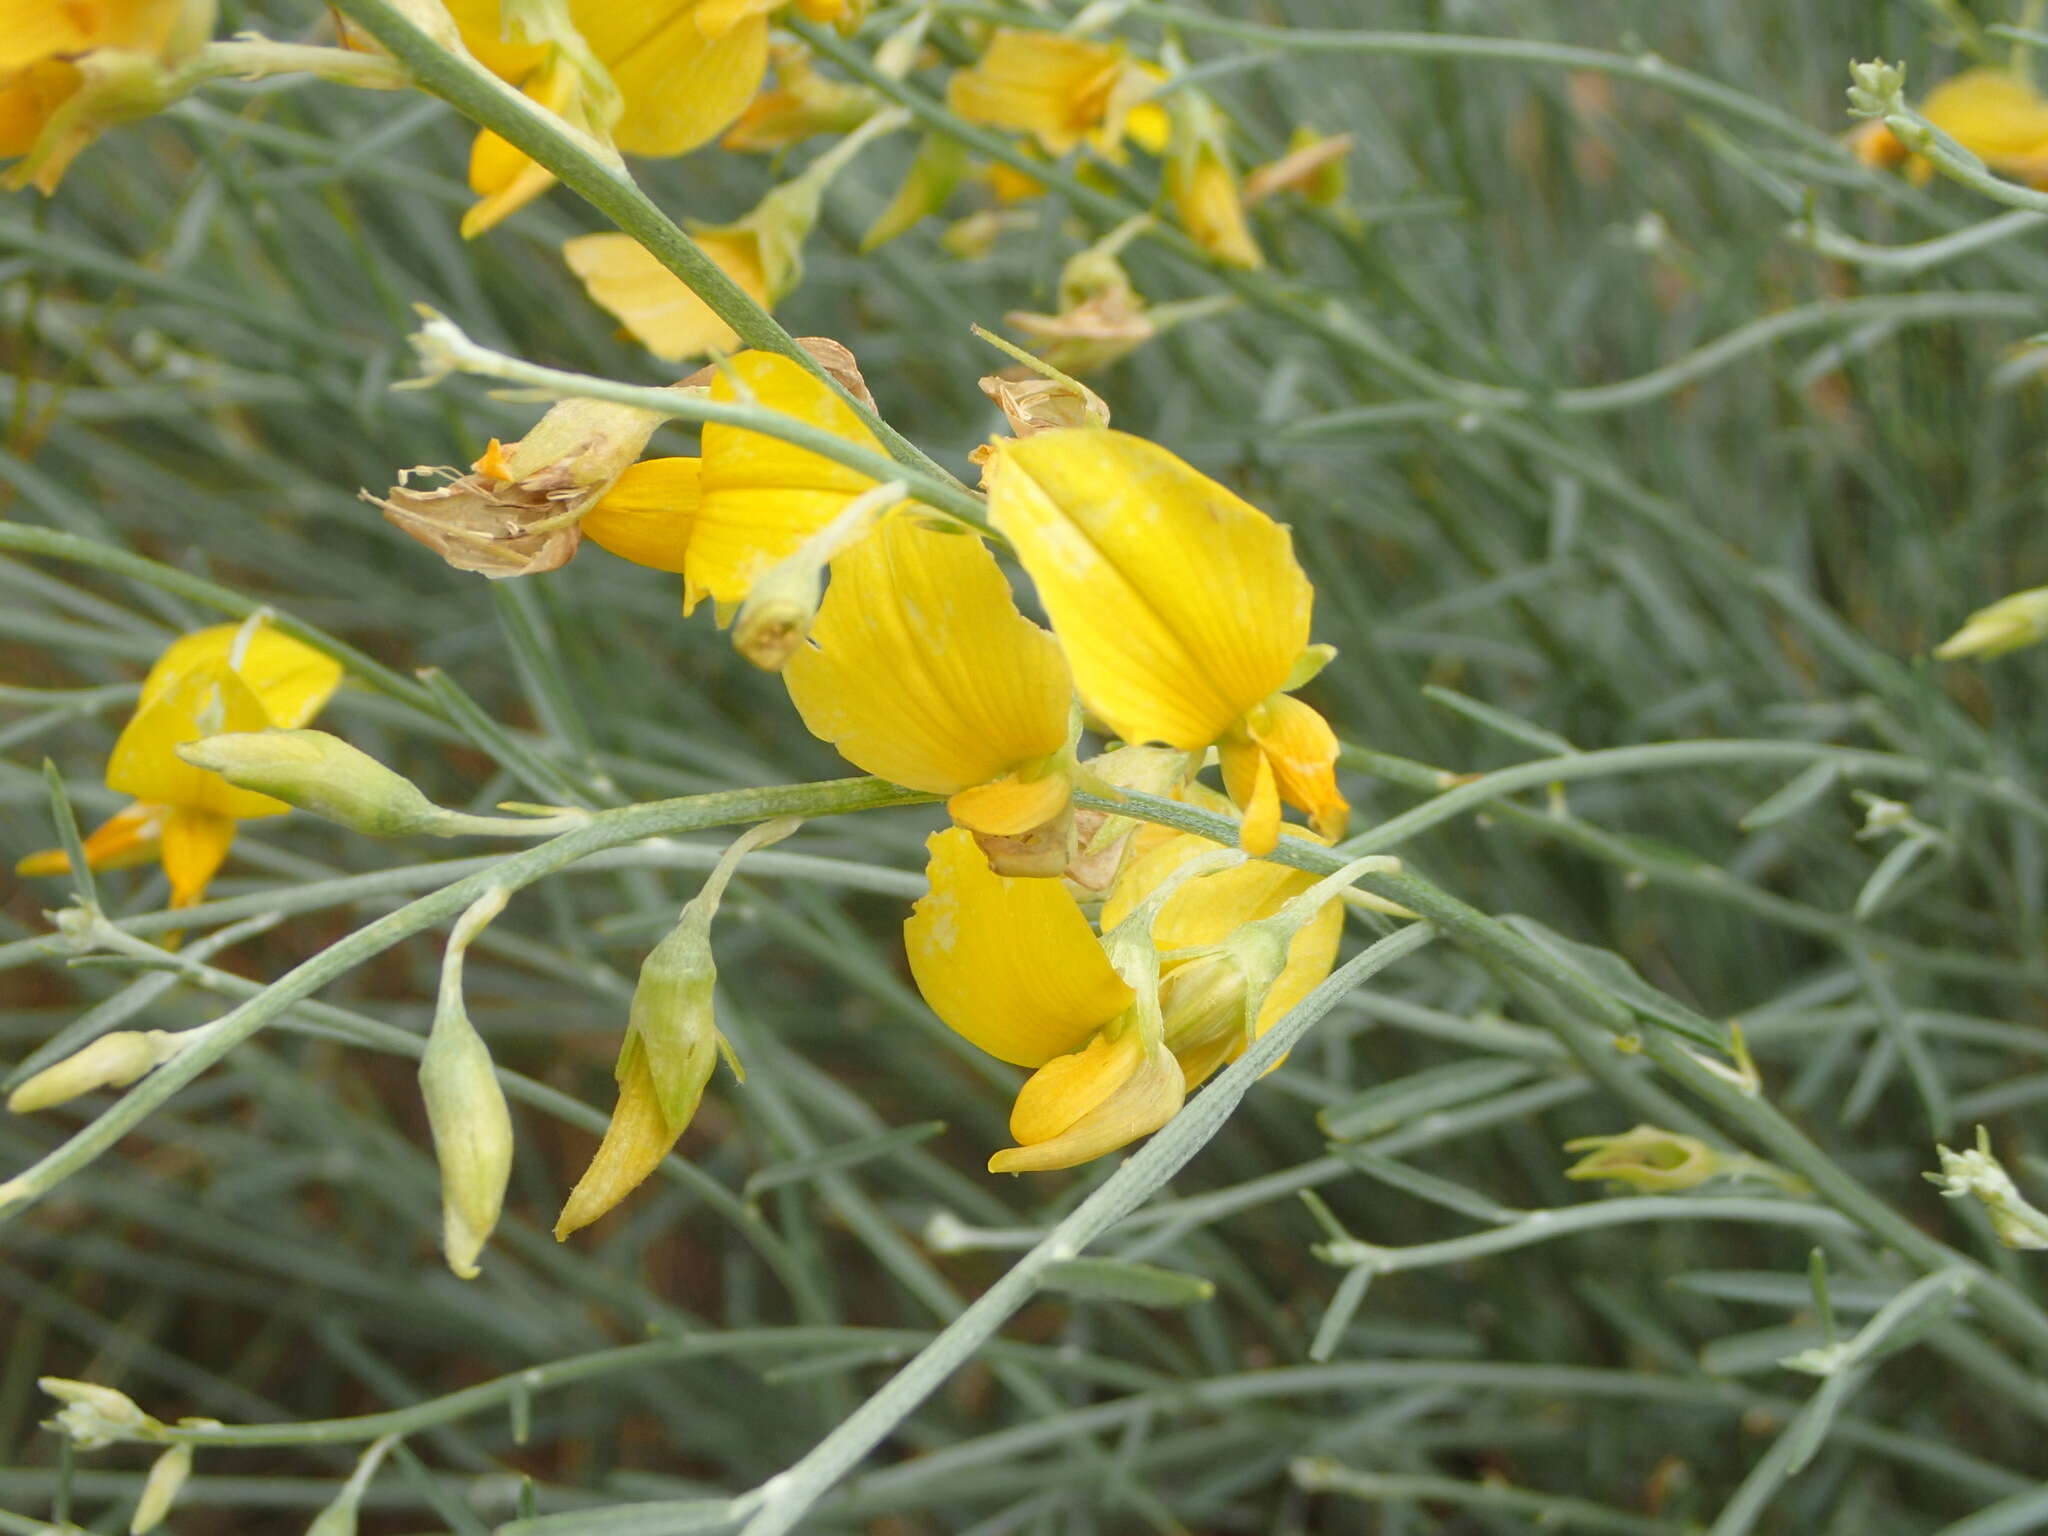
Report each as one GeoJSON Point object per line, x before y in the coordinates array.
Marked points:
{"type": "Point", "coordinates": [466, 1110]}
{"type": "Point", "coordinates": [113, 1061]}
{"type": "Point", "coordinates": [935, 171]}
{"type": "Point", "coordinates": [778, 611]}
{"type": "Point", "coordinates": [319, 773]}
{"type": "Point", "coordinates": [2006, 625]}
{"type": "Point", "coordinates": [160, 1489]}
{"type": "Point", "coordinates": [1646, 1159]}
{"type": "Point", "coordinates": [672, 1046]}
{"type": "Point", "coordinates": [94, 1416]}
{"type": "Point", "coordinates": [1979, 1175]}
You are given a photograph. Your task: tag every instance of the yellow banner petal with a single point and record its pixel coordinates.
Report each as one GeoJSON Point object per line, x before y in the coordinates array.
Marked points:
{"type": "Point", "coordinates": [681, 85]}
{"type": "Point", "coordinates": [762, 497]}
{"type": "Point", "coordinates": [1011, 965]}
{"type": "Point", "coordinates": [1179, 603]}
{"type": "Point", "coordinates": [648, 515]}
{"type": "Point", "coordinates": [207, 702]}
{"type": "Point", "coordinates": [921, 671]}
{"type": "Point", "coordinates": [655, 305]}
{"type": "Point", "coordinates": [291, 680]}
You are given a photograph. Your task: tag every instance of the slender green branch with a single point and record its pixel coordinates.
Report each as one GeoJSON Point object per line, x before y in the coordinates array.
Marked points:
{"type": "Point", "coordinates": [1542, 1226]}
{"type": "Point", "coordinates": [490, 103]}
{"type": "Point", "coordinates": [782, 1502]}
{"type": "Point", "coordinates": [606, 829]}
{"type": "Point", "coordinates": [443, 347]}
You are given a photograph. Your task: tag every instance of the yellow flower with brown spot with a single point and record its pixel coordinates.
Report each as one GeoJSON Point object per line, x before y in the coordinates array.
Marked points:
{"type": "Point", "coordinates": [230, 677]}
{"type": "Point", "coordinates": [69, 70]}
{"type": "Point", "coordinates": [1064, 91]}
{"type": "Point", "coordinates": [921, 671]}
{"type": "Point", "coordinates": [680, 71]}
{"type": "Point", "coordinates": [1995, 114]}
{"type": "Point", "coordinates": [1184, 614]}
{"type": "Point", "coordinates": [1013, 966]}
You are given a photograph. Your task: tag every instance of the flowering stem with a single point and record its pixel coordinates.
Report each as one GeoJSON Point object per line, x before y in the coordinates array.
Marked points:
{"type": "Point", "coordinates": [444, 348]}
{"type": "Point", "coordinates": [488, 102]}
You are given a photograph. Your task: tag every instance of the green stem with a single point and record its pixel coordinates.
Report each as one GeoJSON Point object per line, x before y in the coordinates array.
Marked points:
{"type": "Point", "coordinates": [490, 103]}
{"type": "Point", "coordinates": [782, 1502]}
{"type": "Point", "coordinates": [443, 347]}
{"type": "Point", "coordinates": [606, 829]}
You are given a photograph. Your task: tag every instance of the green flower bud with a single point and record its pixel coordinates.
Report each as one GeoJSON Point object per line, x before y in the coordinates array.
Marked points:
{"type": "Point", "coordinates": [323, 774]}
{"type": "Point", "coordinates": [94, 1416]}
{"type": "Point", "coordinates": [2006, 625]}
{"type": "Point", "coordinates": [113, 1061]}
{"type": "Point", "coordinates": [1980, 1176]}
{"type": "Point", "coordinates": [466, 1110]}
{"type": "Point", "coordinates": [160, 1489]}
{"type": "Point", "coordinates": [1646, 1159]}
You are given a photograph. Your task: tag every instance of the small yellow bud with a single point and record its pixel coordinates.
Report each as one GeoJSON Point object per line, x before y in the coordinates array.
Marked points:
{"type": "Point", "coordinates": [672, 1046]}
{"type": "Point", "coordinates": [323, 774]}
{"type": "Point", "coordinates": [1645, 1158]}
{"type": "Point", "coordinates": [160, 1489]}
{"type": "Point", "coordinates": [113, 1061]}
{"type": "Point", "coordinates": [2006, 625]}
{"type": "Point", "coordinates": [466, 1109]}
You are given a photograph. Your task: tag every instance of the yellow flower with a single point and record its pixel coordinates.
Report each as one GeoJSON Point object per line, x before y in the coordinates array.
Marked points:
{"type": "Point", "coordinates": [1996, 115]}
{"type": "Point", "coordinates": [723, 519]}
{"type": "Point", "coordinates": [682, 71]}
{"type": "Point", "coordinates": [1182, 610]}
{"type": "Point", "coordinates": [921, 671]}
{"type": "Point", "coordinates": [1203, 997]}
{"type": "Point", "coordinates": [1062, 90]}
{"type": "Point", "coordinates": [1013, 966]}
{"type": "Point", "coordinates": [1206, 200]}
{"type": "Point", "coordinates": [230, 677]}
{"type": "Point", "coordinates": [761, 497]}
{"type": "Point", "coordinates": [660, 310]}
{"type": "Point", "coordinates": [67, 70]}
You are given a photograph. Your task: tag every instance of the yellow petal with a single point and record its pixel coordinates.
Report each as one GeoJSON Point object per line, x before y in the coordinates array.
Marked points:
{"type": "Point", "coordinates": [635, 1142]}
{"type": "Point", "coordinates": [1248, 775]}
{"type": "Point", "coordinates": [1012, 805]}
{"type": "Point", "coordinates": [482, 26]}
{"type": "Point", "coordinates": [1209, 908]}
{"type": "Point", "coordinates": [129, 837]}
{"type": "Point", "coordinates": [195, 845]}
{"type": "Point", "coordinates": [1207, 203]}
{"type": "Point", "coordinates": [681, 86]}
{"type": "Point", "coordinates": [921, 671]}
{"type": "Point", "coordinates": [503, 177]}
{"type": "Point", "coordinates": [206, 702]}
{"type": "Point", "coordinates": [1011, 965]}
{"type": "Point", "coordinates": [655, 305]}
{"type": "Point", "coordinates": [1081, 1106]}
{"type": "Point", "coordinates": [762, 497]}
{"type": "Point", "coordinates": [1052, 86]}
{"type": "Point", "coordinates": [29, 98]}
{"type": "Point", "coordinates": [1302, 748]}
{"type": "Point", "coordinates": [1180, 604]}
{"type": "Point", "coordinates": [34, 30]}
{"type": "Point", "coordinates": [648, 514]}
{"type": "Point", "coordinates": [1310, 955]}
{"type": "Point", "coordinates": [1988, 111]}
{"type": "Point", "coordinates": [291, 680]}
